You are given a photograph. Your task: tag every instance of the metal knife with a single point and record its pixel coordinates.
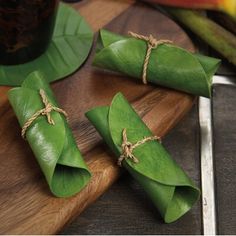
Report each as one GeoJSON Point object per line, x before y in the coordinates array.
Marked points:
{"type": "Point", "coordinates": [207, 158]}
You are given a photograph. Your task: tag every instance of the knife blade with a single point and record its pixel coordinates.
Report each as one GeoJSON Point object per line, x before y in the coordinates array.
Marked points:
{"type": "Point", "coordinates": [207, 158]}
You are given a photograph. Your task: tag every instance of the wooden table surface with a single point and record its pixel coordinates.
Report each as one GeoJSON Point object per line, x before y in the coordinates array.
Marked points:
{"type": "Point", "coordinates": [27, 206]}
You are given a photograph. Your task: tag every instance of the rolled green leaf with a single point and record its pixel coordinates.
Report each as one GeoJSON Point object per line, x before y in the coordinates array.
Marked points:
{"type": "Point", "coordinates": [170, 189]}
{"type": "Point", "coordinates": [169, 65]}
{"type": "Point", "coordinates": [53, 145]}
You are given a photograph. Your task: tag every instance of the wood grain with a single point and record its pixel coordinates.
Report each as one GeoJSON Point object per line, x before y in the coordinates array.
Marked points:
{"type": "Point", "coordinates": [224, 129]}
{"type": "Point", "coordinates": [27, 206]}
{"type": "Point", "coordinates": [106, 10]}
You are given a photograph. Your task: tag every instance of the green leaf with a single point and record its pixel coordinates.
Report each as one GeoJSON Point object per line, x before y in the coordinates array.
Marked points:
{"type": "Point", "coordinates": [170, 189]}
{"type": "Point", "coordinates": [169, 65]}
{"type": "Point", "coordinates": [69, 48]}
{"type": "Point", "coordinates": [53, 145]}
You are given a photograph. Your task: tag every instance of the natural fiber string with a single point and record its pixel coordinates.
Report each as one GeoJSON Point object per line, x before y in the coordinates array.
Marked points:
{"type": "Point", "coordinates": [128, 147]}
{"type": "Point", "coordinates": [46, 111]}
{"type": "Point", "coordinates": [152, 43]}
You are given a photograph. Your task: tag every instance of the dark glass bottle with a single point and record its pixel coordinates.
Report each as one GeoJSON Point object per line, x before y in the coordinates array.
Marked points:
{"type": "Point", "coordinates": [26, 28]}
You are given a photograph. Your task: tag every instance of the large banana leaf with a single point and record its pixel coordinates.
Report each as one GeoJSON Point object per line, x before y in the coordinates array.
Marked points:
{"type": "Point", "coordinates": [70, 46]}
{"type": "Point", "coordinates": [170, 189]}
{"type": "Point", "coordinates": [53, 145]}
{"type": "Point", "coordinates": [169, 65]}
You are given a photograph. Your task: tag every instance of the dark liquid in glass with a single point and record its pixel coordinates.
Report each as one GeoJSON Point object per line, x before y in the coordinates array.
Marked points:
{"type": "Point", "coordinates": [26, 28]}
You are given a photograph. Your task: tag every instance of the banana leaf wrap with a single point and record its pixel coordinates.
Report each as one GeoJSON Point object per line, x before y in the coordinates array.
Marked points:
{"type": "Point", "coordinates": [53, 145]}
{"type": "Point", "coordinates": [169, 65]}
{"type": "Point", "coordinates": [170, 189]}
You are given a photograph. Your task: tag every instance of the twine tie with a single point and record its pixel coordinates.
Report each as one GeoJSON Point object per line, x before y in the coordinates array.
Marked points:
{"type": "Point", "coordinates": [152, 43]}
{"type": "Point", "coordinates": [128, 147]}
{"type": "Point", "coordinates": [46, 111]}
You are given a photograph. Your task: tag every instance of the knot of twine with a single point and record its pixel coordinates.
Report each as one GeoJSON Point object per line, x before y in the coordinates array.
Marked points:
{"type": "Point", "coordinates": [152, 43]}
{"type": "Point", "coordinates": [46, 111]}
{"type": "Point", "coordinates": [128, 147]}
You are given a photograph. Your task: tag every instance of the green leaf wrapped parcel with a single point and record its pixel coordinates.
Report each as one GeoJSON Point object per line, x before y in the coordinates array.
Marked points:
{"type": "Point", "coordinates": [53, 145]}
{"type": "Point", "coordinates": [169, 65]}
{"type": "Point", "coordinates": [170, 189]}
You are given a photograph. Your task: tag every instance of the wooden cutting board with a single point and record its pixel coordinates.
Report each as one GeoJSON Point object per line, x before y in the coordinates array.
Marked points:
{"type": "Point", "coordinates": [26, 204]}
